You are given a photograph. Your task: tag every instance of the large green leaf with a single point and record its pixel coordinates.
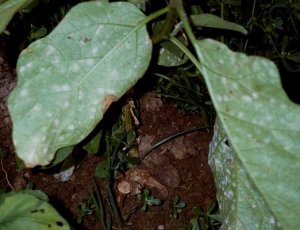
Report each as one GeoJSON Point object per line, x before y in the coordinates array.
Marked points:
{"type": "Point", "coordinates": [8, 9]}
{"type": "Point", "coordinates": [68, 79]}
{"type": "Point", "coordinates": [25, 210]}
{"type": "Point", "coordinates": [263, 127]}
{"type": "Point", "coordinates": [242, 206]}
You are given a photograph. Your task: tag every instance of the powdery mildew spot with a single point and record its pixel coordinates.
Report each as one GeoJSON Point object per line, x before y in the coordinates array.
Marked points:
{"type": "Point", "coordinates": [56, 122]}
{"type": "Point", "coordinates": [49, 50]}
{"type": "Point", "coordinates": [114, 74]}
{"type": "Point", "coordinates": [240, 115]}
{"type": "Point", "coordinates": [90, 62]}
{"type": "Point", "coordinates": [71, 127]}
{"type": "Point", "coordinates": [66, 104]}
{"type": "Point", "coordinates": [147, 39]}
{"type": "Point", "coordinates": [65, 87]}
{"type": "Point", "coordinates": [80, 95]}
{"type": "Point", "coordinates": [75, 67]}
{"type": "Point", "coordinates": [48, 114]}
{"type": "Point", "coordinates": [24, 92]}
{"type": "Point", "coordinates": [224, 80]}
{"type": "Point", "coordinates": [161, 50]}
{"type": "Point", "coordinates": [235, 85]}
{"type": "Point", "coordinates": [61, 138]}
{"type": "Point", "coordinates": [246, 98]}
{"type": "Point", "coordinates": [255, 95]}
{"type": "Point", "coordinates": [37, 108]}
{"type": "Point", "coordinates": [95, 51]}
{"type": "Point", "coordinates": [99, 28]}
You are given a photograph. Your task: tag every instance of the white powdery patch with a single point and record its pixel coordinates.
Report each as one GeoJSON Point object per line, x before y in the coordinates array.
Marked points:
{"type": "Point", "coordinates": [222, 98]}
{"type": "Point", "coordinates": [90, 62]}
{"type": "Point", "coordinates": [61, 138]}
{"type": "Point", "coordinates": [247, 98]}
{"type": "Point", "coordinates": [93, 110]}
{"type": "Point", "coordinates": [221, 61]}
{"type": "Point", "coordinates": [235, 85]}
{"type": "Point", "coordinates": [48, 114]}
{"type": "Point", "coordinates": [49, 50]}
{"type": "Point", "coordinates": [95, 102]}
{"type": "Point", "coordinates": [135, 66]}
{"type": "Point", "coordinates": [66, 105]}
{"type": "Point", "coordinates": [71, 127]}
{"type": "Point", "coordinates": [65, 87]}
{"type": "Point", "coordinates": [59, 88]}
{"type": "Point", "coordinates": [272, 101]}
{"type": "Point", "coordinates": [95, 51]}
{"type": "Point", "coordinates": [255, 95]}
{"type": "Point", "coordinates": [37, 108]}
{"type": "Point", "coordinates": [22, 69]}
{"type": "Point", "coordinates": [147, 39]}
{"type": "Point", "coordinates": [114, 74]}
{"type": "Point", "coordinates": [75, 67]}
{"type": "Point", "coordinates": [161, 50]}
{"type": "Point", "coordinates": [80, 95]}
{"type": "Point", "coordinates": [100, 90]}
{"type": "Point", "coordinates": [224, 80]}
{"type": "Point", "coordinates": [240, 115]}
{"type": "Point", "coordinates": [267, 140]}
{"type": "Point", "coordinates": [42, 69]}
{"type": "Point", "coordinates": [24, 92]}
{"type": "Point", "coordinates": [99, 28]}
{"type": "Point", "coordinates": [56, 122]}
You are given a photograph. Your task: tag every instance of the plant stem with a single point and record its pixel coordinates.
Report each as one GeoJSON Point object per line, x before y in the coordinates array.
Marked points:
{"type": "Point", "coordinates": [170, 138]}
{"type": "Point", "coordinates": [183, 48]}
{"type": "Point", "coordinates": [222, 16]}
{"type": "Point", "coordinates": [168, 25]}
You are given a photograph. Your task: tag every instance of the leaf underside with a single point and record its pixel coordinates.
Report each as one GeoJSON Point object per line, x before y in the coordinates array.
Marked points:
{"type": "Point", "coordinates": [68, 79]}
{"type": "Point", "coordinates": [263, 128]}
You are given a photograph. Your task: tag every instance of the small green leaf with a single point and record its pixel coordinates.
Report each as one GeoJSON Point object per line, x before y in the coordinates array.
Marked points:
{"type": "Point", "coordinates": [3, 154]}
{"type": "Point", "coordinates": [198, 211]}
{"type": "Point", "coordinates": [195, 224]}
{"type": "Point", "coordinates": [94, 144]}
{"type": "Point", "coordinates": [8, 9]}
{"type": "Point", "coordinates": [212, 21]}
{"type": "Point", "coordinates": [212, 206]}
{"type": "Point", "coordinates": [102, 169]}
{"type": "Point", "coordinates": [181, 205]}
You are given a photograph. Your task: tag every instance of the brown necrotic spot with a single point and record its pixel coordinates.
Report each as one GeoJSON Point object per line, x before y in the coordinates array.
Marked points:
{"type": "Point", "coordinates": [59, 223]}
{"type": "Point", "coordinates": [108, 100]}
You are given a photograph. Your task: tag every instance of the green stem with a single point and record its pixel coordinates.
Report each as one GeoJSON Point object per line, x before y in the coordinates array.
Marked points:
{"type": "Point", "coordinates": [222, 16]}
{"type": "Point", "coordinates": [185, 50]}
{"type": "Point", "coordinates": [170, 138]}
{"type": "Point", "coordinates": [168, 25]}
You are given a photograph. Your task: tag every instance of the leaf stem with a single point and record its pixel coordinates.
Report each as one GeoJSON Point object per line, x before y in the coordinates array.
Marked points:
{"type": "Point", "coordinates": [183, 48]}
{"type": "Point", "coordinates": [168, 25]}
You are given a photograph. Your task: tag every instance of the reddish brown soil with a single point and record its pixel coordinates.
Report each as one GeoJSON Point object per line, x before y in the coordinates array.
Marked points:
{"type": "Point", "coordinates": [180, 165]}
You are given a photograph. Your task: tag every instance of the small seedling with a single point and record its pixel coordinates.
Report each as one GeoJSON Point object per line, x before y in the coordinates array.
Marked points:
{"type": "Point", "coordinates": [86, 208]}
{"type": "Point", "coordinates": [146, 200]}
{"type": "Point", "coordinates": [176, 207]}
{"type": "Point", "coordinates": [204, 220]}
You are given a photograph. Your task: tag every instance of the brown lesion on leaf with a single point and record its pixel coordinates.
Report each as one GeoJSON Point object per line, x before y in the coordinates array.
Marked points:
{"type": "Point", "coordinates": [85, 40]}
{"type": "Point", "coordinates": [108, 100]}
{"type": "Point", "coordinates": [29, 50]}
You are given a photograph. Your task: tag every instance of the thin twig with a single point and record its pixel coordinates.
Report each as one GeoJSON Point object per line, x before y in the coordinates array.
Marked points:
{"type": "Point", "coordinates": [6, 176]}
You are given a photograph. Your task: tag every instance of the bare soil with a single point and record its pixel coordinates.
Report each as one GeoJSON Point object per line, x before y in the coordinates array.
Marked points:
{"type": "Point", "coordinates": [180, 165]}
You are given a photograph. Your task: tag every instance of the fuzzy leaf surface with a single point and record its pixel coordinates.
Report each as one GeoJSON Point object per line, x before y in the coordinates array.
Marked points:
{"type": "Point", "coordinates": [68, 79]}
{"type": "Point", "coordinates": [263, 128]}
